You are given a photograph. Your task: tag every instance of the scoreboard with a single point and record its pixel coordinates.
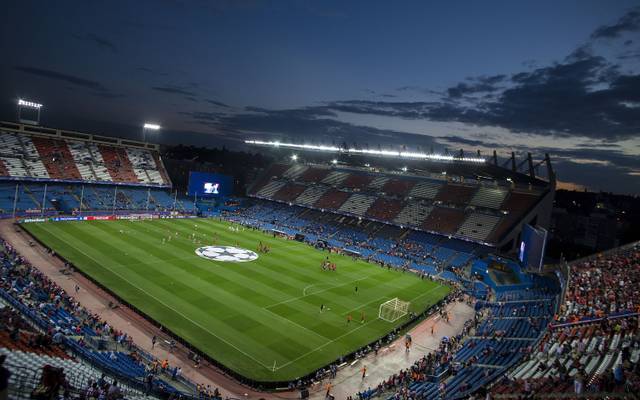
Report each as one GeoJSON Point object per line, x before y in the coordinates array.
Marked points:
{"type": "Point", "coordinates": [204, 184]}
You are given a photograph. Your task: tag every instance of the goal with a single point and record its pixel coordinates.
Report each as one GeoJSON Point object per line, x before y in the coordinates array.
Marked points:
{"type": "Point", "coordinates": [393, 310]}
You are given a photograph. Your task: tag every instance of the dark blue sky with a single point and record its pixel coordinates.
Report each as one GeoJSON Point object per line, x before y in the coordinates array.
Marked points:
{"type": "Point", "coordinates": [545, 76]}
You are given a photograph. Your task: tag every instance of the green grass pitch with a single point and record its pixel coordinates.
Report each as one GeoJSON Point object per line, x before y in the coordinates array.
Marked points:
{"type": "Point", "coordinates": [261, 318]}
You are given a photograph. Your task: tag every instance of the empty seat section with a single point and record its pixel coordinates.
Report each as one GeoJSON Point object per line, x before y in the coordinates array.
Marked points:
{"type": "Point", "coordinates": [85, 162]}
{"type": "Point", "coordinates": [117, 164]}
{"type": "Point", "coordinates": [357, 181]}
{"type": "Point", "coordinates": [334, 178]}
{"type": "Point", "coordinates": [519, 201]}
{"type": "Point", "coordinates": [332, 199]}
{"type": "Point", "coordinates": [385, 209]}
{"type": "Point", "coordinates": [455, 194]}
{"type": "Point", "coordinates": [413, 214]}
{"type": "Point", "coordinates": [56, 157]}
{"type": "Point", "coordinates": [313, 175]}
{"type": "Point", "coordinates": [378, 182]}
{"type": "Point", "coordinates": [444, 220]}
{"type": "Point", "coordinates": [288, 192]}
{"type": "Point", "coordinates": [270, 188]}
{"type": "Point", "coordinates": [489, 197]}
{"type": "Point", "coordinates": [311, 195]}
{"type": "Point", "coordinates": [357, 204]}
{"type": "Point", "coordinates": [478, 226]}
{"type": "Point", "coordinates": [294, 171]}
{"type": "Point", "coordinates": [426, 189]}
{"type": "Point", "coordinates": [398, 187]}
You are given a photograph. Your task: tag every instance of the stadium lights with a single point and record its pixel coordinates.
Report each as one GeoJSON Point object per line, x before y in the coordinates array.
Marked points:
{"type": "Point", "coordinates": [148, 126]}
{"type": "Point", "coordinates": [404, 169]}
{"type": "Point", "coordinates": [29, 104]}
{"type": "Point", "coordinates": [294, 157]}
{"type": "Point", "coordinates": [334, 161]}
{"type": "Point", "coordinates": [386, 153]}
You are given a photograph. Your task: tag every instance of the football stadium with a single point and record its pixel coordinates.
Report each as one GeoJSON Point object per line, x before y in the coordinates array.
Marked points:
{"type": "Point", "coordinates": [381, 240]}
{"type": "Point", "coordinates": [323, 262]}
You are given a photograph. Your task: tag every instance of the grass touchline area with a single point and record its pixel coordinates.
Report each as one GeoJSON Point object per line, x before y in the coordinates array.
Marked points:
{"type": "Point", "coordinates": [248, 316]}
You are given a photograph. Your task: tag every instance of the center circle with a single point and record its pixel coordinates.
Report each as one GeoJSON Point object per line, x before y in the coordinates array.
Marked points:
{"type": "Point", "coordinates": [226, 253]}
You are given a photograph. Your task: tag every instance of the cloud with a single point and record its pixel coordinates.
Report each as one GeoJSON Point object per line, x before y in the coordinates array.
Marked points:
{"type": "Point", "coordinates": [477, 85]}
{"type": "Point", "coordinates": [98, 41]}
{"type": "Point", "coordinates": [630, 22]}
{"type": "Point", "coordinates": [171, 89]}
{"type": "Point", "coordinates": [217, 103]}
{"type": "Point", "coordinates": [57, 76]}
{"type": "Point", "coordinates": [312, 124]}
{"type": "Point", "coordinates": [584, 96]}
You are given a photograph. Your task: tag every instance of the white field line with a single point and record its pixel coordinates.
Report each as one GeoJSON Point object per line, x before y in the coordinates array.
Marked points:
{"type": "Point", "coordinates": [326, 344]}
{"type": "Point", "coordinates": [363, 305]}
{"type": "Point", "coordinates": [428, 291]}
{"type": "Point", "coordinates": [296, 324]}
{"type": "Point", "coordinates": [169, 307]}
{"type": "Point", "coordinates": [320, 291]}
{"type": "Point", "coordinates": [348, 333]}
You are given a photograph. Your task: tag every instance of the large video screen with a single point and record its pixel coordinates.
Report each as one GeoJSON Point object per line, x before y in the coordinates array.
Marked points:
{"type": "Point", "coordinates": [204, 184]}
{"type": "Point", "coordinates": [532, 247]}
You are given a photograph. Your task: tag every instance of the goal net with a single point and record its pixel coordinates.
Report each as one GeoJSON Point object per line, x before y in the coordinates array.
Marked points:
{"type": "Point", "coordinates": [393, 310]}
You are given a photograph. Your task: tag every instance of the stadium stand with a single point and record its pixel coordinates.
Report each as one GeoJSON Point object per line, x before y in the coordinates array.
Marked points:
{"type": "Point", "coordinates": [57, 158]}
{"type": "Point", "coordinates": [38, 157]}
{"type": "Point", "coordinates": [500, 334]}
{"type": "Point", "coordinates": [311, 195]}
{"type": "Point", "coordinates": [335, 178]}
{"type": "Point", "coordinates": [312, 175]}
{"type": "Point", "coordinates": [498, 208]}
{"type": "Point", "coordinates": [455, 194]}
{"type": "Point", "coordinates": [270, 188]}
{"type": "Point", "coordinates": [444, 220]}
{"type": "Point", "coordinates": [397, 187]}
{"type": "Point", "coordinates": [357, 204]}
{"type": "Point", "coordinates": [357, 181]}
{"type": "Point", "coordinates": [288, 192]}
{"type": "Point", "coordinates": [332, 199]}
{"type": "Point", "coordinates": [378, 183]}
{"type": "Point", "coordinates": [385, 209]}
{"type": "Point", "coordinates": [425, 189]}
{"type": "Point", "coordinates": [64, 198]}
{"type": "Point", "coordinates": [488, 197]}
{"type": "Point", "coordinates": [48, 332]}
{"type": "Point", "coordinates": [478, 226]}
{"type": "Point", "coordinates": [413, 214]}
{"type": "Point", "coordinates": [593, 346]}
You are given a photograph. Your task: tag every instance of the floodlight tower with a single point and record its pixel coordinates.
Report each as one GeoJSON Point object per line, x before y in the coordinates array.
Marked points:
{"type": "Point", "coordinates": [29, 105]}
{"type": "Point", "coordinates": [148, 126]}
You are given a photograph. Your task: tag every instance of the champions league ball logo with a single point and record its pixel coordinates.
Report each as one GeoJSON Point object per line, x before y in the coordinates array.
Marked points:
{"type": "Point", "coordinates": [226, 253]}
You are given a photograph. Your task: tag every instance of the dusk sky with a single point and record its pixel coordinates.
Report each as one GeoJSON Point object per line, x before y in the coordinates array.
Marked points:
{"type": "Point", "coordinates": [544, 76]}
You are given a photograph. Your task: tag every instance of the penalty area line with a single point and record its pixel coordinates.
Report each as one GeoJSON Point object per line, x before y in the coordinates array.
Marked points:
{"type": "Point", "coordinates": [169, 307]}
{"type": "Point", "coordinates": [326, 344]}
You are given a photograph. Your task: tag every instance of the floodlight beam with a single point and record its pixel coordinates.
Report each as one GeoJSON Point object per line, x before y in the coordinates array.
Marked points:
{"type": "Point", "coordinates": [387, 153]}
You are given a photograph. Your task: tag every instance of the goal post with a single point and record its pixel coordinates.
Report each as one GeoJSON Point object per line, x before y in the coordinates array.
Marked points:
{"type": "Point", "coordinates": [393, 310]}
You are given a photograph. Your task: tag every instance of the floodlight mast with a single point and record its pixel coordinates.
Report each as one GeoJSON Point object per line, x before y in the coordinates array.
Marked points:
{"type": "Point", "coordinates": [149, 126]}
{"type": "Point", "coordinates": [32, 105]}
